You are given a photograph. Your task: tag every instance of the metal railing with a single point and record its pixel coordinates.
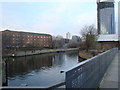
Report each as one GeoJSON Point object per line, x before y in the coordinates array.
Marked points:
{"type": "Point", "coordinates": [88, 74]}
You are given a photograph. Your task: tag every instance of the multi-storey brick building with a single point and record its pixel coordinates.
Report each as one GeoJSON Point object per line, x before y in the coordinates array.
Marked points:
{"type": "Point", "coordinates": [16, 39]}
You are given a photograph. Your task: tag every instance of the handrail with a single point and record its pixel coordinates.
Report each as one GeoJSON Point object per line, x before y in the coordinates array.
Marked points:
{"type": "Point", "coordinates": [89, 73]}
{"type": "Point", "coordinates": [83, 62]}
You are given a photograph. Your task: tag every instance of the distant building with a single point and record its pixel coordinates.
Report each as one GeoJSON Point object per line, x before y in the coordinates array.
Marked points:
{"type": "Point", "coordinates": [66, 41]}
{"type": "Point", "coordinates": [106, 17]}
{"type": "Point", "coordinates": [59, 42]}
{"type": "Point", "coordinates": [108, 38]}
{"type": "Point", "coordinates": [68, 35]}
{"type": "Point", "coordinates": [76, 39]}
{"type": "Point", "coordinates": [16, 39]}
{"type": "Point", "coordinates": [74, 42]}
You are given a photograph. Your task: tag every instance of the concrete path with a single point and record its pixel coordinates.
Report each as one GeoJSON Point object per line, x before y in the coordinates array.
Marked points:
{"type": "Point", "coordinates": [111, 79]}
{"type": "Point", "coordinates": [0, 73]}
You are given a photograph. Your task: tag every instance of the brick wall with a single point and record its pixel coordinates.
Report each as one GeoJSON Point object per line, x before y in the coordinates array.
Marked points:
{"type": "Point", "coordinates": [107, 44]}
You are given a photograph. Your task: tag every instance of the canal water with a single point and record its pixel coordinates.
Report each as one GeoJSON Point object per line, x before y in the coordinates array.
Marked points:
{"type": "Point", "coordinates": [40, 70]}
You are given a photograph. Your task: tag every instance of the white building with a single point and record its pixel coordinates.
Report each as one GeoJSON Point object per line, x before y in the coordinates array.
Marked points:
{"type": "Point", "coordinates": [76, 39]}
{"type": "Point", "coordinates": [109, 37]}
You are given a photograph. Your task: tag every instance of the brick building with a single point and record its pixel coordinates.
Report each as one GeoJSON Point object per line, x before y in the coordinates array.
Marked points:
{"type": "Point", "coordinates": [16, 39]}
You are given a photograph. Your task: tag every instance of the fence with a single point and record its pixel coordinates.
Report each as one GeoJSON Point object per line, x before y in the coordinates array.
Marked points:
{"type": "Point", "coordinates": [89, 73]}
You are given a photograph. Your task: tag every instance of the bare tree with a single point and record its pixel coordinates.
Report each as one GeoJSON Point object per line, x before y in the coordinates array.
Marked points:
{"type": "Point", "coordinates": [89, 37]}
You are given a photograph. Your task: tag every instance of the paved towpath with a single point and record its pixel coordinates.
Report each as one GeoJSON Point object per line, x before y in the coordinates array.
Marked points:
{"type": "Point", "coordinates": [112, 77]}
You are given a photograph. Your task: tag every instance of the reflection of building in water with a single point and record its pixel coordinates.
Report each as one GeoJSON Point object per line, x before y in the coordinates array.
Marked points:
{"type": "Point", "coordinates": [72, 54]}
{"type": "Point", "coordinates": [27, 64]}
{"type": "Point", "coordinates": [43, 69]}
{"type": "Point", "coordinates": [3, 68]}
{"type": "Point", "coordinates": [58, 59]}
{"type": "Point", "coordinates": [64, 58]}
{"type": "Point", "coordinates": [37, 63]}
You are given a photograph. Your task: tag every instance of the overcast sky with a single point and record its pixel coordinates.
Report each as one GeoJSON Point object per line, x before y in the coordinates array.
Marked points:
{"type": "Point", "coordinates": [52, 17]}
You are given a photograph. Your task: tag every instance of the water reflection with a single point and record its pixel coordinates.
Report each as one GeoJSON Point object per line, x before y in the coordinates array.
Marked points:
{"type": "Point", "coordinates": [27, 64]}
{"type": "Point", "coordinates": [39, 70]}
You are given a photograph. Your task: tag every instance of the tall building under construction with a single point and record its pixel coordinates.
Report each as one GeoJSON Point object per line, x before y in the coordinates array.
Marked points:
{"type": "Point", "coordinates": [108, 37]}
{"type": "Point", "coordinates": [106, 17]}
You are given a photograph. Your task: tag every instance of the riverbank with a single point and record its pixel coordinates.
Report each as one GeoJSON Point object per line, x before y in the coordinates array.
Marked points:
{"type": "Point", "coordinates": [38, 52]}
{"type": "Point", "coordinates": [86, 55]}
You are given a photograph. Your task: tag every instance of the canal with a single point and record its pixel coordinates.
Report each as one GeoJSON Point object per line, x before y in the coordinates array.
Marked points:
{"type": "Point", "coordinates": [40, 70]}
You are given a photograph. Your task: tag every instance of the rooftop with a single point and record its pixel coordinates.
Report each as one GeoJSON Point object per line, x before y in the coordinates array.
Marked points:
{"type": "Point", "coordinates": [105, 0]}
{"type": "Point", "coordinates": [26, 32]}
{"type": "Point", "coordinates": [108, 37]}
